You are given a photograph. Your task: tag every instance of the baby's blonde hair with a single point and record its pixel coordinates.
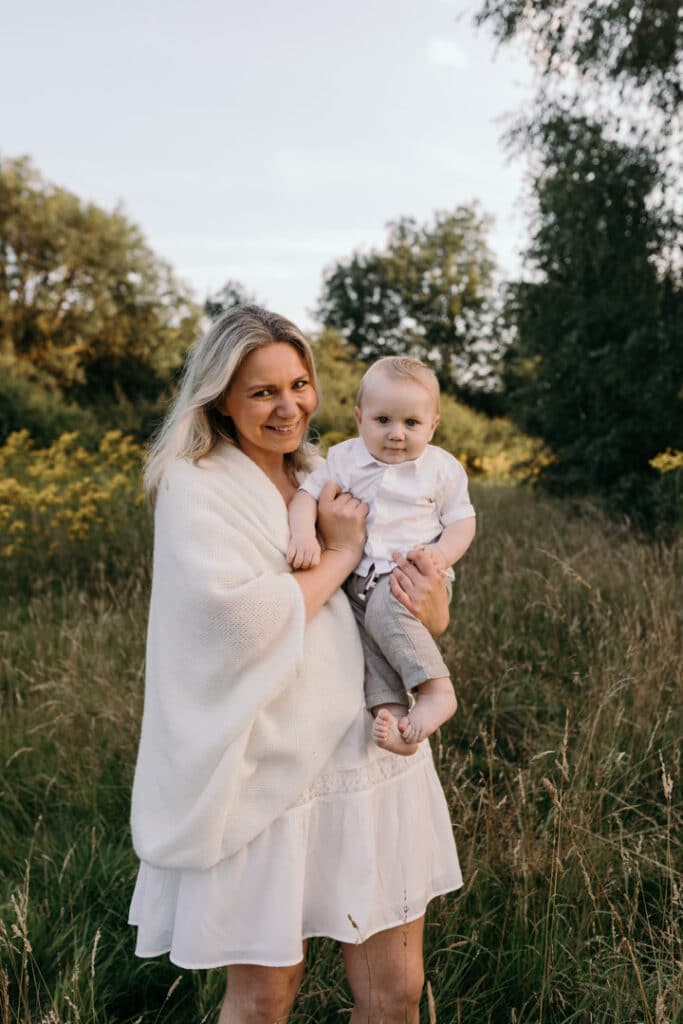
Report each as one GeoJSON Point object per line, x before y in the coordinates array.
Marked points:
{"type": "Point", "coordinates": [401, 367]}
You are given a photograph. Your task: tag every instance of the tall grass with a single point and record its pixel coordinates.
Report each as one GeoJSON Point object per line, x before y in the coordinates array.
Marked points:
{"type": "Point", "coordinates": [562, 769]}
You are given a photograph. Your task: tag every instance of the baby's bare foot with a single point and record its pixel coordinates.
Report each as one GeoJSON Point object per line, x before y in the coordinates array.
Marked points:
{"type": "Point", "coordinates": [435, 704]}
{"type": "Point", "coordinates": [386, 735]}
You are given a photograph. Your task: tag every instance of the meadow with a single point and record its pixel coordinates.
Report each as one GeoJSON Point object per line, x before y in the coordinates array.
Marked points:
{"type": "Point", "coordinates": [562, 767]}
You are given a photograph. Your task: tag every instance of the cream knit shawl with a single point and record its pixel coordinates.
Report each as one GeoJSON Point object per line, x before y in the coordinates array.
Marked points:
{"type": "Point", "coordinates": [244, 701]}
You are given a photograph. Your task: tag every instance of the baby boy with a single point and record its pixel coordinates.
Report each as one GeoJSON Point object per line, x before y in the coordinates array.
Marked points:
{"type": "Point", "coordinates": [417, 496]}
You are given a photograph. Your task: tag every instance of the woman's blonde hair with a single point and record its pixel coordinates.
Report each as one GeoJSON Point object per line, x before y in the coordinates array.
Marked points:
{"type": "Point", "coordinates": [195, 423]}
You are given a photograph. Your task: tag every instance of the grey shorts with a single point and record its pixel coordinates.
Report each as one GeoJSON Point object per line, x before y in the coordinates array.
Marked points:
{"type": "Point", "coordinates": [400, 653]}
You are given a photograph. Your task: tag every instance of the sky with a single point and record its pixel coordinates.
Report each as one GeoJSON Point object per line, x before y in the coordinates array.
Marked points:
{"type": "Point", "coordinates": [263, 141]}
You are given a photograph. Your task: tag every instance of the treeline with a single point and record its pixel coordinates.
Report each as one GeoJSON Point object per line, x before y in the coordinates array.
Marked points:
{"type": "Point", "coordinates": [93, 325]}
{"type": "Point", "coordinates": [596, 367]}
{"type": "Point", "coordinates": [584, 354]}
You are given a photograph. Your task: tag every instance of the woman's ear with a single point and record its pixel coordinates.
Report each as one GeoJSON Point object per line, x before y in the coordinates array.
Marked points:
{"type": "Point", "coordinates": [222, 405]}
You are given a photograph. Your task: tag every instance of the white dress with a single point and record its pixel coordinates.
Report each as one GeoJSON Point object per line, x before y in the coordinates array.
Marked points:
{"type": "Point", "coordinates": [363, 849]}
{"type": "Point", "coordinates": [241, 681]}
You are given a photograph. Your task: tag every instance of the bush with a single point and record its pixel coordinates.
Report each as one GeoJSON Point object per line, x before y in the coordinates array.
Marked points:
{"type": "Point", "coordinates": [37, 406]}
{"type": "Point", "coordinates": [40, 410]}
{"type": "Point", "coordinates": [68, 512]}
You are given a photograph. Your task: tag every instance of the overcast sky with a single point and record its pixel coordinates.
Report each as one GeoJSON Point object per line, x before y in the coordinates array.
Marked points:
{"type": "Point", "coordinates": [261, 140]}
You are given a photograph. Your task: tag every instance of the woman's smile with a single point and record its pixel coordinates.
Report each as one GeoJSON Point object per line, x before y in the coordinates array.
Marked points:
{"type": "Point", "coordinates": [284, 428]}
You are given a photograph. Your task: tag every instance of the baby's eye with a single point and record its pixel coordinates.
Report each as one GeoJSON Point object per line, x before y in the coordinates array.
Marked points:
{"type": "Point", "coordinates": [412, 423]}
{"type": "Point", "coordinates": [382, 419]}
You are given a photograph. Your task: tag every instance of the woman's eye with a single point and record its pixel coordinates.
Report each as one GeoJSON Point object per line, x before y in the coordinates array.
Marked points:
{"type": "Point", "coordinates": [263, 393]}
{"type": "Point", "coordinates": [300, 384]}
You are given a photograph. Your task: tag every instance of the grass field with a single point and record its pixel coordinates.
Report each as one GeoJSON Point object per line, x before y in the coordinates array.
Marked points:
{"type": "Point", "coordinates": [562, 769]}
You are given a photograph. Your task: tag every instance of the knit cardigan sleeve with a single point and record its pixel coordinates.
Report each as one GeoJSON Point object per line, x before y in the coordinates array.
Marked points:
{"type": "Point", "coordinates": [244, 702]}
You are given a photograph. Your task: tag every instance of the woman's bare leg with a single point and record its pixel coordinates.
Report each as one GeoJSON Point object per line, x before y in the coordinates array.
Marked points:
{"type": "Point", "coordinates": [260, 995]}
{"type": "Point", "coordinates": [386, 975]}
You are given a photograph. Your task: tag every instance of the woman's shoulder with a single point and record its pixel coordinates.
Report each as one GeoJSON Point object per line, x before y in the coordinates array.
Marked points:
{"type": "Point", "coordinates": [213, 464]}
{"type": "Point", "coordinates": [186, 481]}
{"type": "Point", "coordinates": [183, 472]}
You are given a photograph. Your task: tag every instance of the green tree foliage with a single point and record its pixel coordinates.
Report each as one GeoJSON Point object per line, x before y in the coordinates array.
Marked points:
{"type": "Point", "coordinates": [85, 305]}
{"type": "Point", "coordinates": [233, 293]}
{"type": "Point", "coordinates": [631, 42]}
{"type": "Point", "coordinates": [339, 374]}
{"type": "Point", "coordinates": [28, 404]}
{"type": "Point", "coordinates": [597, 369]}
{"type": "Point", "coordinates": [430, 292]}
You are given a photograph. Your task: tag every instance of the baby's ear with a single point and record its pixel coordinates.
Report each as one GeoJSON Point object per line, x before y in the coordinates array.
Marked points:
{"type": "Point", "coordinates": [437, 420]}
{"type": "Point", "coordinates": [358, 414]}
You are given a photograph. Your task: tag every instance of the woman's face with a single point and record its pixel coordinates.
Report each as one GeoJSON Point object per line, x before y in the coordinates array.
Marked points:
{"type": "Point", "coordinates": [271, 401]}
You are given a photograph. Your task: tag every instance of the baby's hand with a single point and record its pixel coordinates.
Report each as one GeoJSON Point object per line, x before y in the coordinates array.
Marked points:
{"type": "Point", "coordinates": [303, 552]}
{"type": "Point", "coordinates": [437, 557]}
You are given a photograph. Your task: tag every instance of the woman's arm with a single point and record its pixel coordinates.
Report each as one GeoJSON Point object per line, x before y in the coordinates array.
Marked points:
{"type": "Point", "coordinates": [341, 521]}
{"type": "Point", "coordinates": [419, 586]}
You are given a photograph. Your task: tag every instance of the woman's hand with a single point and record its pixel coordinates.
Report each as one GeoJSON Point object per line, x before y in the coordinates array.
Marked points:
{"type": "Point", "coordinates": [341, 521]}
{"type": "Point", "coordinates": [419, 585]}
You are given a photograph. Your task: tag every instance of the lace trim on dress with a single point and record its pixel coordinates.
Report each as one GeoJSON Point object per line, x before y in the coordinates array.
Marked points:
{"type": "Point", "coordinates": [354, 780]}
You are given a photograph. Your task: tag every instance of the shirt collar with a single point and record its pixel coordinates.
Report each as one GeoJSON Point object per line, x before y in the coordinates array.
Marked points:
{"type": "Point", "coordinates": [364, 458]}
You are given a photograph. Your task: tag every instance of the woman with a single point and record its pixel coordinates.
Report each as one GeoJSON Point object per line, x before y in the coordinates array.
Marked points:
{"type": "Point", "coordinates": [262, 812]}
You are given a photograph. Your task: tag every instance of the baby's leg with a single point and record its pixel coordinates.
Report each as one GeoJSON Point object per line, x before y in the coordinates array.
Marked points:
{"type": "Point", "coordinates": [434, 705]}
{"type": "Point", "coordinates": [413, 654]}
{"type": "Point", "coordinates": [385, 731]}
{"type": "Point", "coordinates": [385, 694]}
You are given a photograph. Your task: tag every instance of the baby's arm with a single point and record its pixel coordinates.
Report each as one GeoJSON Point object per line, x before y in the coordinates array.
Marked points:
{"type": "Point", "coordinates": [453, 542]}
{"type": "Point", "coordinates": [304, 549]}
{"type": "Point", "coordinates": [456, 514]}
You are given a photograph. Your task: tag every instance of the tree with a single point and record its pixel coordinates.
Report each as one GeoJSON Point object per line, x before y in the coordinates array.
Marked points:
{"type": "Point", "coordinates": [233, 293]}
{"type": "Point", "coordinates": [597, 366]}
{"type": "Point", "coordinates": [430, 292]}
{"type": "Point", "coordinates": [85, 305]}
{"type": "Point", "coordinates": [633, 43]}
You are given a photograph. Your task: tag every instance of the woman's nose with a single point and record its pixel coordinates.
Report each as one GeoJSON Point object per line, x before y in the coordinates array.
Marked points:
{"type": "Point", "coordinates": [286, 405]}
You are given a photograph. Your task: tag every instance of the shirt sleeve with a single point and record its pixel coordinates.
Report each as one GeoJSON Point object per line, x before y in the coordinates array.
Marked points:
{"type": "Point", "coordinates": [314, 482]}
{"type": "Point", "coordinates": [332, 468]}
{"type": "Point", "coordinates": [454, 503]}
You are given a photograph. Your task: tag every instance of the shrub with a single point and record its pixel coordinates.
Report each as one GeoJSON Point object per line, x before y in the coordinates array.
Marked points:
{"type": "Point", "coordinates": [67, 511]}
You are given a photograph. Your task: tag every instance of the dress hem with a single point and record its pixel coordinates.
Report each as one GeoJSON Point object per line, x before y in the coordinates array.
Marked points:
{"type": "Point", "coordinates": [311, 935]}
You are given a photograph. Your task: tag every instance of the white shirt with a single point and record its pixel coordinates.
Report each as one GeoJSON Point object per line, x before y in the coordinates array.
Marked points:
{"type": "Point", "coordinates": [409, 502]}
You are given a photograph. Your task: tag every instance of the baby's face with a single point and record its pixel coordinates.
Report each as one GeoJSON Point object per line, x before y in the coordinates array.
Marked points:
{"type": "Point", "coordinates": [397, 418]}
